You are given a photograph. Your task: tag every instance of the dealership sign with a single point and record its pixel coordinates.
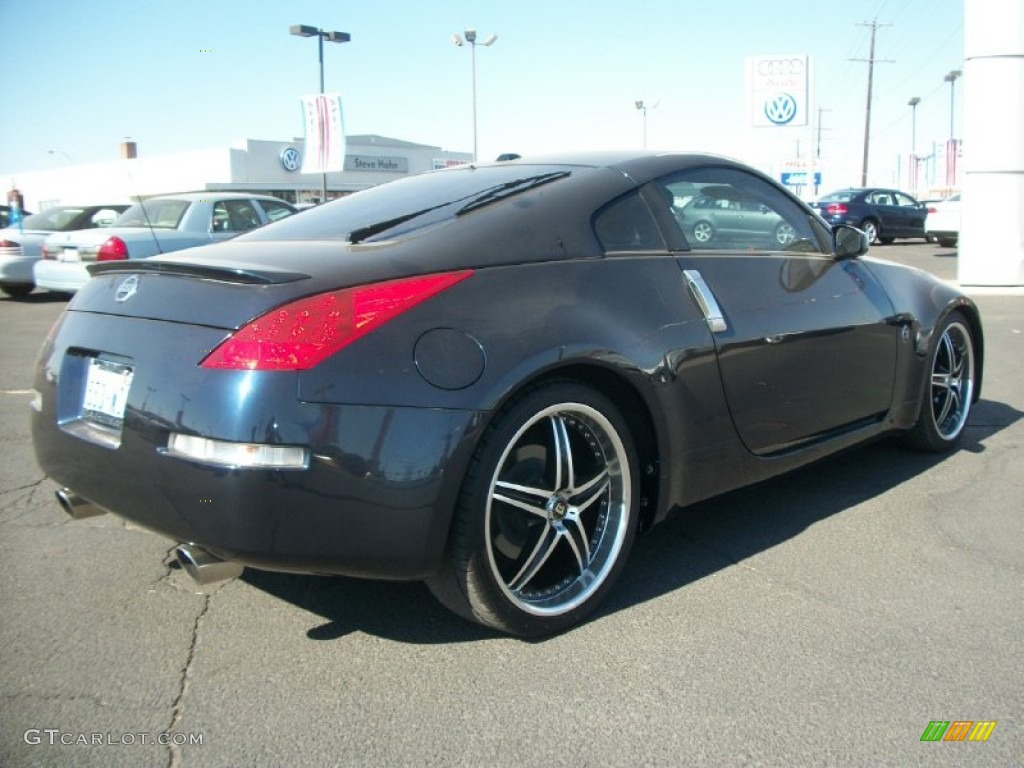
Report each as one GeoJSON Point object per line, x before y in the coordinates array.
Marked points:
{"type": "Point", "coordinates": [778, 89]}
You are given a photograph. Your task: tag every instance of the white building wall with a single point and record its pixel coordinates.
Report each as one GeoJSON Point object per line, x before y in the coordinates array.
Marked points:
{"type": "Point", "coordinates": [250, 164]}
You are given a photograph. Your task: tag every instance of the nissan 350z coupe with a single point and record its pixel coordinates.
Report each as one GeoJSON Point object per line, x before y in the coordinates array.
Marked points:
{"type": "Point", "coordinates": [491, 377]}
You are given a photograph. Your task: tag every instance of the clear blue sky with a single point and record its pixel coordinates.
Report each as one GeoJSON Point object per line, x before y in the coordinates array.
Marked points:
{"type": "Point", "coordinates": [178, 75]}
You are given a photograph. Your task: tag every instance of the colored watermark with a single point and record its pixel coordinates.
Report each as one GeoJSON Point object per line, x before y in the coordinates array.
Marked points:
{"type": "Point", "coordinates": [958, 730]}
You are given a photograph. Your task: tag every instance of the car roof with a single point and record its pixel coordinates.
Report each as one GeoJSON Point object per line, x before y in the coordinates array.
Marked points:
{"type": "Point", "coordinates": [212, 196]}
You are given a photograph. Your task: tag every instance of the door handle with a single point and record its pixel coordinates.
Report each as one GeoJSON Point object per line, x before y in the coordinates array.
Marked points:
{"type": "Point", "coordinates": [706, 300]}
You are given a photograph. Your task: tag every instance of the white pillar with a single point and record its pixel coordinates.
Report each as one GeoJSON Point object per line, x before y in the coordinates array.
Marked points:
{"type": "Point", "coordinates": [991, 250]}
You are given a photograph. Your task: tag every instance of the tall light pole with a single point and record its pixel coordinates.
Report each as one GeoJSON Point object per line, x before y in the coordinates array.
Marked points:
{"type": "Point", "coordinates": [914, 101]}
{"type": "Point", "coordinates": [303, 30]}
{"type": "Point", "coordinates": [951, 78]}
{"type": "Point", "coordinates": [471, 39]}
{"type": "Point", "coordinates": [642, 107]}
{"type": "Point", "coordinates": [912, 167]}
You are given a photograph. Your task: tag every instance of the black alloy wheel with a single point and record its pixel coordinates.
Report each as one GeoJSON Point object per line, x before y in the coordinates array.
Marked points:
{"type": "Point", "coordinates": [949, 389]}
{"type": "Point", "coordinates": [547, 515]}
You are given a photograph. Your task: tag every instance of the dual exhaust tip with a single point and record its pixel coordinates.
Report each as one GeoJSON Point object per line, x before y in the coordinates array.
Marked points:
{"type": "Point", "coordinates": [203, 567]}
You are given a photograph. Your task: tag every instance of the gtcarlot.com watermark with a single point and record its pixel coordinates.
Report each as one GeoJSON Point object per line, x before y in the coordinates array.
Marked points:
{"type": "Point", "coordinates": [57, 737]}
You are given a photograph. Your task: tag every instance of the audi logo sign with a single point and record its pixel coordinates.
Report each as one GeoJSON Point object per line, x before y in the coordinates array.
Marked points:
{"type": "Point", "coordinates": [778, 90]}
{"type": "Point", "coordinates": [781, 67]}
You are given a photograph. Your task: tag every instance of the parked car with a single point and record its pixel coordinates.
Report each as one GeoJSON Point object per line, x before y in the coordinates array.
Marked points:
{"type": "Point", "coordinates": [489, 378]}
{"type": "Point", "coordinates": [22, 246]}
{"type": "Point", "coordinates": [5, 215]}
{"type": "Point", "coordinates": [944, 221]}
{"type": "Point", "coordinates": [154, 226]}
{"type": "Point", "coordinates": [724, 221]}
{"type": "Point", "coordinates": [884, 214]}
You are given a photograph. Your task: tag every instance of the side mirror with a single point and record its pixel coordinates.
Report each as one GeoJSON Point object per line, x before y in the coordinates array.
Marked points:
{"type": "Point", "coordinates": [848, 242]}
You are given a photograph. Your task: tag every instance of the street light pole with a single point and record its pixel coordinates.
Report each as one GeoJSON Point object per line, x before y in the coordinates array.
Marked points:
{"type": "Point", "coordinates": [304, 30]}
{"type": "Point", "coordinates": [913, 165]}
{"type": "Point", "coordinates": [951, 78]}
{"type": "Point", "coordinates": [471, 39]}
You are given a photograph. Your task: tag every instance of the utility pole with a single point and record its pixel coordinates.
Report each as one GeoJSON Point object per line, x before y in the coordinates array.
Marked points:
{"type": "Point", "coordinates": [817, 148]}
{"type": "Point", "coordinates": [874, 25]}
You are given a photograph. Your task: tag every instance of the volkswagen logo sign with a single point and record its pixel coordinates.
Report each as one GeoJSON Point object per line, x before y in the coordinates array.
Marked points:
{"type": "Point", "coordinates": [290, 159]}
{"type": "Point", "coordinates": [780, 109]}
{"type": "Point", "coordinates": [128, 288]}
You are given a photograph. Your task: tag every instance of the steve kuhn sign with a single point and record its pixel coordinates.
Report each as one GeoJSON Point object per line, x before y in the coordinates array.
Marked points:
{"type": "Point", "coordinates": [376, 163]}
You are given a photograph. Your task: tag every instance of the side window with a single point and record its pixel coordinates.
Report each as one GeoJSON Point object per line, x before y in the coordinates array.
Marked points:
{"type": "Point", "coordinates": [627, 225]}
{"type": "Point", "coordinates": [234, 216]}
{"type": "Point", "coordinates": [731, 209]}
{"type": "Point", "coordinates": [275, 210]}
{"type": "Point", "coordinates": [904, 200]}
{"type": "Point", "coordinates": [104, 217]}
{"type": "Point", "coordinates": [220, 221]}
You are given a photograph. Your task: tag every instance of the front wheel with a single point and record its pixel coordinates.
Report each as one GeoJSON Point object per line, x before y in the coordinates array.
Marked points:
{"type": "Point", "coordinates": [547, 514]}
{"type": "Point", "coordinates": [949, 390]}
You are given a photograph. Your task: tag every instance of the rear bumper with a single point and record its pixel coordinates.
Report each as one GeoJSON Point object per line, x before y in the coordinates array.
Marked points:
{"type": "Point", "coordinates": [375, 500]}
{"type": "Point", "coordinates": [65, 277]}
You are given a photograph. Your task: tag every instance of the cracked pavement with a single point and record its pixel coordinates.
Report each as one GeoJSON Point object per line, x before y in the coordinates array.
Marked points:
{"type": "Point", "coordinates": [820, 619]}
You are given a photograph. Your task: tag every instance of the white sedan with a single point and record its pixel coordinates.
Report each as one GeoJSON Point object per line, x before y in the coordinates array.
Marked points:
{"type": "Point", "coordinates": [943, 222]}
{"type": "Point", "coordinates": [21, 246]}
{"type": "Point", "coordinates": [151, 227]}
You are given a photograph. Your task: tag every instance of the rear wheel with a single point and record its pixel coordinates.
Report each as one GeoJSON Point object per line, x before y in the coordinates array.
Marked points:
{"type": "Point", "coordinates": [949, 388]}
{"type": "Point", "coordinates": [870, 228]}
{"type": "Point", "coordinates": [547, 515]}
{"type": "Point", "coordinates": [17, 290]}
{"type": "Point", "coordinates": [703, 231]}
{"type": "Point", "coordinates": [784, 234]}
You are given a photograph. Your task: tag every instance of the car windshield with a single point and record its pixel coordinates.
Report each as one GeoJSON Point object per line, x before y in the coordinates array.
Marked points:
{"type": "Point", "coordinates": [53, 219]}
{"type": "Point", "coordinates": [399, 207]}
{"type": "Point", "coordinates": [162, 214]}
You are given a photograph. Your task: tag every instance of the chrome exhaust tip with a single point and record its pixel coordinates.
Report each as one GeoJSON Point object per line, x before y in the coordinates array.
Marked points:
{"type": "Point", "coordinates": [205, 568]}
{"type": "Point", "coordinates": [76, 506]}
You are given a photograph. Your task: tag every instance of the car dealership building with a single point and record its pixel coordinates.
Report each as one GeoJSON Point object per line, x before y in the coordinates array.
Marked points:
{"type": "Point", "coordinates": [251, 165]}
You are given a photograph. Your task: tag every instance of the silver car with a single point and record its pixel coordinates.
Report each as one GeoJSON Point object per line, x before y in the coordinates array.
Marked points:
{"type": "Point", "coordinates": [151, 227]}
{"type": "Point", "coordinates": [22, 246]}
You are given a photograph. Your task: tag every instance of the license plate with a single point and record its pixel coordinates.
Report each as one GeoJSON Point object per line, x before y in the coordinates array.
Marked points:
{"type": "Point", "coordinates": [106, 392]}
{"type": "Point", "coordinates": [70, 254]}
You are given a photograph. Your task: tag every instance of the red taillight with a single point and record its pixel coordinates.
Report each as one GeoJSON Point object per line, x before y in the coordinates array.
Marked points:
{"type": "Point", "coordinates": [932, 209]}
{"type": "Point", "coordinates": [301, 334]}
{"type": "Point", "coordinates": [836, 209]}
{"type": "Point", "coordinates": [113, 249]}
{"type": "Point", "coordinates": [8, 244]}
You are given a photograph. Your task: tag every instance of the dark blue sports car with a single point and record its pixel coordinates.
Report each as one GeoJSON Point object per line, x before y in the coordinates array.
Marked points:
{"type": "Point", "coordinates": [491, 377]}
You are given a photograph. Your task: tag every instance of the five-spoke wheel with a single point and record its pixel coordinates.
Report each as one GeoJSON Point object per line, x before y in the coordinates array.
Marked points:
{"type": "Point", "coordinates": [950, 387]}
{"type": "Point", "coordinates": [548, 515]}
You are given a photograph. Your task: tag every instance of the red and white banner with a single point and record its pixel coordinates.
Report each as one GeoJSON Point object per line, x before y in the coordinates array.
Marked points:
{"type": "Point", "coordinates": [952, 150]}
{"type": "Point", "coordinates": [325, 133]}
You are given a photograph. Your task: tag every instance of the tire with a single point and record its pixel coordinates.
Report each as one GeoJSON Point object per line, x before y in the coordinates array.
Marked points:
{"type": "Point", "coordinates": [547, 514]}
{"type": "Point", "coordinates": [870, 228]}
{"type": "Point", "coordinates": [947, 242]}
{"type": "Point", "coordinates": [703, 232]}
{"type": "Point", "coordinates": [17, 290]}
{"type": "Point", "coordinates": [948, 388]}
{"type": "Point", "coordinates": [784, 234]}
{"type": "Point", "coordinates": [887, 240]}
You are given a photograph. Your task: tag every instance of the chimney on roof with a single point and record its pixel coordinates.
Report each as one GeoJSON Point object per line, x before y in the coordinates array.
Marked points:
{"type": "Point", "coordinates": [129, 150]}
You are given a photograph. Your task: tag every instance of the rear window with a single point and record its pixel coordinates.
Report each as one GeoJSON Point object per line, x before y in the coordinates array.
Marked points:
{"type": "Point", "coordinates": [399, 207]}
{"type": "Point", "coordinates": [842, 196]}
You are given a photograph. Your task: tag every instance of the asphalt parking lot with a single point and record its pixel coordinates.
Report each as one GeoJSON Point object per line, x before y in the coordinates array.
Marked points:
{"type": "Point", "coordinates": [825, 618]}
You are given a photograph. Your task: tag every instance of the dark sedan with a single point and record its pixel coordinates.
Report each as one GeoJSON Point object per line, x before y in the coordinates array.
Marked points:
{"type": "Point", "coordinates": [884, 214]}
{"type": "Point", "coordinates": [489, 378]}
